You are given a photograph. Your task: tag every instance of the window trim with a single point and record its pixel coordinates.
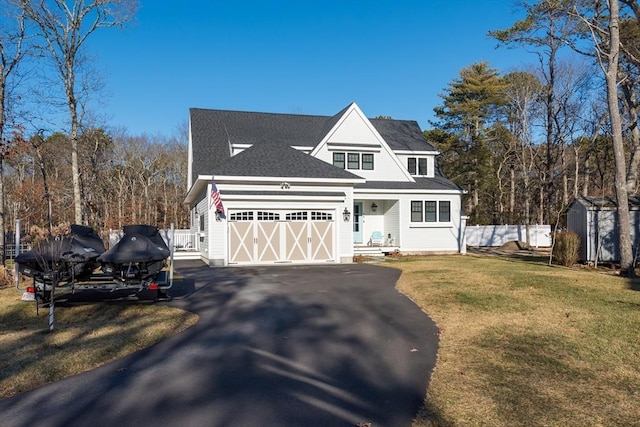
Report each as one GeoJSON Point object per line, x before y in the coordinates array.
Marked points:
{"type": "Point", "coordinates": [431, 213]}
{"type": "Point", "coordinates": [412, 168]}
{"type": "Point", "coordinates": [424, 170]}
{"type": "Point", "coordinates": [418, 166]}
{"type": "Point", "coordinates": [368, 156]}
{"type": "Point", "coordinates": [417, 207]}
{"type": "Point", "coordinates": [349, 161]}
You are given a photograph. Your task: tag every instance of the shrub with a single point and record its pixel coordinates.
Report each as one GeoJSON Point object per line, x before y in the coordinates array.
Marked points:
{"type": "Point", "coordinates": [565, 248]}
{"type": "Point", "coordinates": [6, 278]}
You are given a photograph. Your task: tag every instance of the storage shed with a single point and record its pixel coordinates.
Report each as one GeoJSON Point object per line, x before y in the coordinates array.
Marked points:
{"type": "Point", "coordinates": [595, 220]}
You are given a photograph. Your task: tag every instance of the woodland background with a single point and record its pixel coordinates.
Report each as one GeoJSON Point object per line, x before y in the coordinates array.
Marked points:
{"type": "Point", "coordinates": [522, 142]}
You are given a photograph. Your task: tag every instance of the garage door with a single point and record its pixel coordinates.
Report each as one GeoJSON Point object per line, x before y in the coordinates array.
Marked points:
{"type": "Point", "coordinates": [262, 237]}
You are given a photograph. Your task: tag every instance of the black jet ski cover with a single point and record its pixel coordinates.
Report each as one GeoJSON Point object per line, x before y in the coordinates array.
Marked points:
{"type": "Point", "coordinates": [73, 256]}
{"type": "Point", "coordinates": [140, 243]}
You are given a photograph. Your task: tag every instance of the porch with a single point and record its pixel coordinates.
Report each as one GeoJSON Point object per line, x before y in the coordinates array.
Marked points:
{"type": "Point", "coordinates": [376, 225]}
{"type": "Point", "coordinates": [373, 251]}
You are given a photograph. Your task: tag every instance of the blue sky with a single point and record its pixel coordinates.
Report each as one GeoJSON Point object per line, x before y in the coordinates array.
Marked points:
{"type": "Point", "coordinates": [392, 57]}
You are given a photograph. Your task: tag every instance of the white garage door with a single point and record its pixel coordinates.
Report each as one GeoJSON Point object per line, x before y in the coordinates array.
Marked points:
{"type": "Point", "coordinates": [262, 237]}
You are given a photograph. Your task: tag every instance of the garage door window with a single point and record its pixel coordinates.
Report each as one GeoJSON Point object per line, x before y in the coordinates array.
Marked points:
{"type": "Point", "coordinates": [268, 216]}
{"type": "Point", "coordinates": [241, 216]}
{"type": "Point", "coordinates": [296, 216]}
{"type": "Point", "coordinates": [321, 216]}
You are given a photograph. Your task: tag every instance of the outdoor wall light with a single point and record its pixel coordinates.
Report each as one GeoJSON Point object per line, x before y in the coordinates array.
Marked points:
{"type": "Point", "coordinates": [346, 215]}
{"type": "Point", "coordinates": [374, 207]}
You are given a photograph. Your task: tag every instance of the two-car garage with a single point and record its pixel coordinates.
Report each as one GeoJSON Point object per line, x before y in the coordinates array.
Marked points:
{"type": "Point", "coordinates": [281, 236]}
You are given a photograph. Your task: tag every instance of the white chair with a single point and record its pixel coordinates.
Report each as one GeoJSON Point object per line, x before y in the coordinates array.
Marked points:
{"type": "Point", "coordinates": [376, 239]}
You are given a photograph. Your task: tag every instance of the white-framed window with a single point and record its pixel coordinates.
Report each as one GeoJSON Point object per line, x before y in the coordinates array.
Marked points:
{"type": "Point", "coordinates": [430, 211]}
{"type": "Point", "coordinates": [416, 211]}
{"type": "Point", "coordinates": [417, 166]}
{"type": "Point", "coordinates": [362, 161]}
{"type": "Point", "coordinates": [353, 160]}
{"type": "Point", "coordinates": [367, 161]}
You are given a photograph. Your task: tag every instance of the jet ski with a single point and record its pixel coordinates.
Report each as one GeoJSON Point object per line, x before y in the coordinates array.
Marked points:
{"type": "Point", "coordinates": [63, 259]}
{"type": "Point", "coordinates": [139, 255]}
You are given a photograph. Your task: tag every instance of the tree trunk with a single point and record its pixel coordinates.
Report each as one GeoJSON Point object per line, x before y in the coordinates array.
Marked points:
{"type": "Point", "coordinates": [624, 224]}
{"type": "Point", "coordinates": [512, 192]}
{"type": "Point", "coordinates": [550, 99]}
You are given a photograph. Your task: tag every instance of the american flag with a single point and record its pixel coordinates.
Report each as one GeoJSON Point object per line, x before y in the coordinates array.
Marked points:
{"type": "Point", "coordinates": [215, 197]}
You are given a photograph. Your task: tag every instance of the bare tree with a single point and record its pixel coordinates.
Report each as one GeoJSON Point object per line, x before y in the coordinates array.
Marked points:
{"type": "Point", "coordinates": [12, 35]}
{"type": "Point", "coordinates": [546, 30]}
{"type": "Point", "coordinates": [523, 91]}
{"type": "Point", "coordinates": [65, 26]}
{"type": "Point", "coordinates": [609, 63]}
{"type": "Point", "coordinates": [605, 32]}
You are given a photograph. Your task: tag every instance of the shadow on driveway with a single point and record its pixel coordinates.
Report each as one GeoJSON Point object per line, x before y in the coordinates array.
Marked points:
{"type": "Point", "coordinates": [326, 345]}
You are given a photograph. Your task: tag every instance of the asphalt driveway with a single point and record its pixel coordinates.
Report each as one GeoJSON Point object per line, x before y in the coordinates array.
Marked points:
{"type": "Point", "coordinates": [327, 345]}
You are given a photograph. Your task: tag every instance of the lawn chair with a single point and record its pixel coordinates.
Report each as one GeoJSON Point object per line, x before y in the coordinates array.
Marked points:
{"type": "Point", "coordinates": [376, 239]}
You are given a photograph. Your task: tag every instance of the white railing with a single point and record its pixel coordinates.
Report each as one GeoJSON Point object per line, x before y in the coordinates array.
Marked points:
{"type": "Point", "coordinates": [185, 240]}
{"type": "Point", "coordinates": [498, 235]}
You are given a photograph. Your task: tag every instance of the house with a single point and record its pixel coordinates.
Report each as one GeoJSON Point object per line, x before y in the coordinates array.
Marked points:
{"type": "Point", "coordinates": [595, 221]}
{"type": "Point", "coordinates": [308, 189]}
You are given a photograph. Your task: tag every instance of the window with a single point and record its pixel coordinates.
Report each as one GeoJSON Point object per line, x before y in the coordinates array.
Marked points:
{"type": "Point", "coordinates": [422, 166]}
{"type": "Point", "coordinates": [444, 214]}
{"type": "Point", "coordinates": [367, 162]}
{"type": "Point", "coordinates": [411, 165]}
{"type": "Point", "coordinates": [430, 211]}
{"type": "Point", "coordinates": [241, 216]}
{"type": "Point", "coordinates": [321, 216]}
{"type": "Point", "coordinates": [268, 216]}
{"type": "Point", "coordinates": [417, 165]}
{"type": "Point", "coordinates": [434, 211]}
{"type": "Point", "coordinates": [353, 161]}
{"type": "Point", "coordinates": [296, 216]}
{"type": "Point", "coordinates": [416, 211]}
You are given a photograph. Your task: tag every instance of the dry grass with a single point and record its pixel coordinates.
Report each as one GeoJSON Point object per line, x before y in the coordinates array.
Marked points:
{"type": "Point", "coordinates": [523, 344]}
{"type": "Point", "coordinates": [85, 336]}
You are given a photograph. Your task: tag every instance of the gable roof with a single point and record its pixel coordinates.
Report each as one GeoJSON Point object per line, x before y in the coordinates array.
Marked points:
{"type": "Point", "coordinates": [213, 132]}
{"type": "Point", "coordinates": [279, 159]}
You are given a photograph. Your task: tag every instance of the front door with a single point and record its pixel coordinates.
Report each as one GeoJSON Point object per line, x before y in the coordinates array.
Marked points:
{"type": "Point", "coordinates": [357, 222]}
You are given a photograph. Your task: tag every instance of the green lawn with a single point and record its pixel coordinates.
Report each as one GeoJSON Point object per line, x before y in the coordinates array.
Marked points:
{"type": "Point", "coordinates": [522, 343]}
{"type": "Point", "coordinates": [85, 336]}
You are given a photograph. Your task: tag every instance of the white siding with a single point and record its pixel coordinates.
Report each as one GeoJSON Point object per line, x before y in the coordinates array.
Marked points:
{"type": "Point", "coordinates": [355, 134]}
{"type": "Point", "coordinates": [430, 237]}
{"type": "Point", "coordinates": [431, 164]}
{"type": "Point", "coordinates": [392, 221]}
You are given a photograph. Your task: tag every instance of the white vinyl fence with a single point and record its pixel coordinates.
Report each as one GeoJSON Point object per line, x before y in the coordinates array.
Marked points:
{"type": "Point", "coordinates": [498, 235]}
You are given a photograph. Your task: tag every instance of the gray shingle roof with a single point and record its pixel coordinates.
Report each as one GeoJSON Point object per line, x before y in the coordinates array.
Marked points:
{"type": "Point", "coordinates": [437, 183]}
{"type": "Point", "coordinates": [278, 159]}
{"type": "Point", "coordinates": [213, 130]}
